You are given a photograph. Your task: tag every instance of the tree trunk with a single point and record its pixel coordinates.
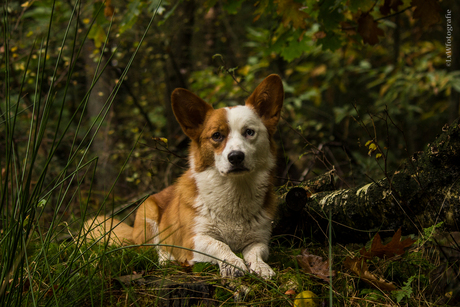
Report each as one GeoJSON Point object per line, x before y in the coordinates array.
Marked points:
{"type": "Point", "coordinates": [424, 192]}
{"type": "Point", "coordinates": [97, 99]}
{"type": "Point", "coordinates": [178, 63]}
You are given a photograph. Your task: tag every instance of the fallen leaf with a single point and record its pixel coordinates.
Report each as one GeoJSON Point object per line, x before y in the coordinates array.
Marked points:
{"type": "Point", "coordinates": [314, 265]}
{"type": "Point", "coordinates": [367, 28]}
{"type": "Point", "coordinates": [360, 268]}
{"type": "Point", "coordinates": [306, 299]}
{"type": "Point", "coordinates": [394, 247]}
{"type": "Point", "coordinates": [290, 292]}
{"type": "Point", "coordinates": [427, 11]}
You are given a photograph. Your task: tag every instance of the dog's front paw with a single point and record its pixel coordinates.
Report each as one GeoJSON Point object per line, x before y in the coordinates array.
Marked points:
{"type": "Point", "coordinates": [262, 269]}
{"type": "Point", "coordinates": [233, 268]}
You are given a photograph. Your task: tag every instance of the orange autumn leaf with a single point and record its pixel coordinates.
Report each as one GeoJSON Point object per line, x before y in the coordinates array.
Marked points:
{"type": "Point", "coordinates": [359, 267]}
{"type": "Point", "coordinates": [394, 247]}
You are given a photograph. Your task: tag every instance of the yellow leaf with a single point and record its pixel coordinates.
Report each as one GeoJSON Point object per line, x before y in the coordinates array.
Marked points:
{"type": "Point", "coordinates": [244, 70]}
{"type": "Point", "coordinates": [164, 140]}
{"type": "Point", "coordinates": [372, 146]}
{"type": "Point", "coordinates": [305, 299]}
{"type": "Point", "coordinates": [368, 142]}
{"type": "Point", "coordinates": [379, 155]}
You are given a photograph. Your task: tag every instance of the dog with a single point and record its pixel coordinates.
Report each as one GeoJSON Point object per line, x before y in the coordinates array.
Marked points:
{"type": "Point", "coordinates": [224, 203]}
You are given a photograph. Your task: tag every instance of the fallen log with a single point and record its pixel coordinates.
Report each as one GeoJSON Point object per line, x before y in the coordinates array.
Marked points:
{"type": "Point", "coordinates": [424, 192]}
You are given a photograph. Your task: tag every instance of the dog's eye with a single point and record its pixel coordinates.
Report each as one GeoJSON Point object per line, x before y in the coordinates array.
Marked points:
{"type": "Point", "coordinates": [217, 136]}
{"type": "Point", "coordinates": [249, 132]}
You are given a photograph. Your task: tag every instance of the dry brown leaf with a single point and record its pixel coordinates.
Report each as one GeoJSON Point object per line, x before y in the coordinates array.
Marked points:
{"type": "Point", "coordinates": [395, 247]}
{"type": "Point", "coordinates": [314, 265]}
{"type": "Point", "coordinates": [427, 11]}
{"type": "Point", "coordinates": [359, 267]}
{"type": "Point", "coordinates": [367, 28]}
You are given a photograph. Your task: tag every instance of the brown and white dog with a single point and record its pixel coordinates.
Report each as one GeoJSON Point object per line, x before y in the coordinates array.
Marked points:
{"type": "Point", "coordinates": [224, 204]}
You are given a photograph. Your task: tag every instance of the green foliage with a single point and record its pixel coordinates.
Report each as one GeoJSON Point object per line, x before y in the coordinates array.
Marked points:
{"type": "Point", "coordinates": [406, 290]}
{"type": "Point", "coordinates": [428, 233]}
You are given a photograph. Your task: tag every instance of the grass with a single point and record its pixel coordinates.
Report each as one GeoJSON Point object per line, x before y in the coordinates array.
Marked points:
{"type": "Point", "coordinates": [94, 274]}
{"type": "Point", "coordinates": [46, 261]}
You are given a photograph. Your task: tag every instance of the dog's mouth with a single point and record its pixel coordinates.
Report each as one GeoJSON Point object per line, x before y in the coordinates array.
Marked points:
{"type": "Point", "coordinates": [238, 170]}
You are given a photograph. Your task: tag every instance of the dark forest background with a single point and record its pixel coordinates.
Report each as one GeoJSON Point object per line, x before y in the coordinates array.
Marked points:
{"type": "Point", "coordinates": [344, 64]}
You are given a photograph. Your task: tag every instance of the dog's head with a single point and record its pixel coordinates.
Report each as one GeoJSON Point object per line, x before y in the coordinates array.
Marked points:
{"type": "Point", "coordinates": [235, 140]}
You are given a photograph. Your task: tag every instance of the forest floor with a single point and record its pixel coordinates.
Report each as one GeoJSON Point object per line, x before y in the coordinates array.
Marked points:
{"type": "Point", "coordinates": [401, 271]}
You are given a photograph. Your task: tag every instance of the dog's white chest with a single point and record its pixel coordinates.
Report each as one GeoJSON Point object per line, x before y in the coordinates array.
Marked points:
{"type": "Point", "coordinates": [232, 211]}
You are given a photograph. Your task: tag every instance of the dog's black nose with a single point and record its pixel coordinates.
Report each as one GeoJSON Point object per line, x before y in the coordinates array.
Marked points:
{"type": "Point", "coordinates": [236, 157]}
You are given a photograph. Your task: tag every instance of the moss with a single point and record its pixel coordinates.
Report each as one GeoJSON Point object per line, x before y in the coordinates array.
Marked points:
{"type": "Point", "coordinates": [424, 187]}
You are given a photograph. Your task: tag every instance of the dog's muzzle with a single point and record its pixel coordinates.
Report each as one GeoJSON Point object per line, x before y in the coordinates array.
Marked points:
{"type": "Point", "coordinates": [236, 159]}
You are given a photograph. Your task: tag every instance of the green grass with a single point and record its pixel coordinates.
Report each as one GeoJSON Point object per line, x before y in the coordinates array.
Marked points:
{"type": "Point", "coordinates": [93, 274]}
{"type": "Point", "coordinates": [38, 187]}
{"type": "Point", "coordinates": [108, 264]}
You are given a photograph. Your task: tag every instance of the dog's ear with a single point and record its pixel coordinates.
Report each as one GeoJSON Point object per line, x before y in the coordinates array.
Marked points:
{"type": "Point", "coordinates": [190, 111]}
{"type": "Point", "coordinates": [267, 100]}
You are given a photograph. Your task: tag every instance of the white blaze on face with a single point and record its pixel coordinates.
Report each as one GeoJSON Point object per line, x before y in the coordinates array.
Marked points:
{"type": "Point", "coordinates": [247, 134]}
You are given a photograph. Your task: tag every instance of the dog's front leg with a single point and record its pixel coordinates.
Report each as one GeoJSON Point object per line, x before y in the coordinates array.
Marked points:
{"type": "Point", "coordinates": [209, 249]}
{"type": "Point", "coordinates": [255, 254]}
